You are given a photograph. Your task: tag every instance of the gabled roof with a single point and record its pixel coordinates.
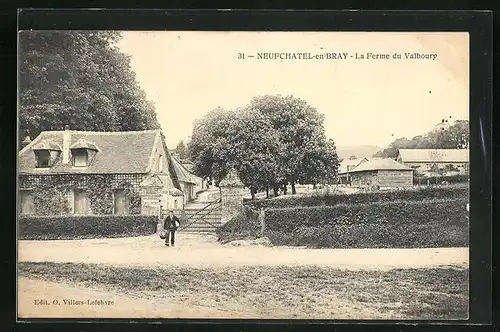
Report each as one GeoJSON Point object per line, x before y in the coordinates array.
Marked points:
{"type": "Point", "coordinates": [84, 144]}
{"type": "Point", "coordinates": [120, 152]}
{"type": "Point", "coordinates": [434, 155]}
{"type": "Point", "coordinates": [350, 163]}
{"type": "Point", "coordinates": [46, 144]}
{"type": "Point", "coordinates": [183, 174]}
{"type": "Point", "coordinates": [381, 164]}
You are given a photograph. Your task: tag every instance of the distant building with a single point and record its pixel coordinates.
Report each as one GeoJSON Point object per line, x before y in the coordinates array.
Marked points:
{"type": "Point", "coordinates": [382, 173]}
{"type": "Point", "coordinates": [346, 166]}
{"type": "Point", "coordinates": [190, 183]}
{"type": "Point", "coordinates": [431, 161]}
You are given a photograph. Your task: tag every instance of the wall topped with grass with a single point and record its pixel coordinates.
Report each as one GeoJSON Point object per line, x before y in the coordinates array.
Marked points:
{"type": "Point", "coordinates": [84, 227]}
{"type": "Point", "coordinates": [439, 219]}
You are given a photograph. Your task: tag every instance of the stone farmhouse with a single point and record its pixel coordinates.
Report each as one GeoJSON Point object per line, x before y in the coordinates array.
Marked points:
{"type": "Point", "coordinates": [381, 173]}
{"type": "Point", "coordinates": [428, 161]}
{"type": "Point", "coordinates": [346, 166]}
{"type": "Point", "coordinates": [83, 173]}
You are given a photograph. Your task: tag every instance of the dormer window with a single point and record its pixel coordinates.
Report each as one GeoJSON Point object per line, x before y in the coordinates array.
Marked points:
{"type": "Point", "coordinates": [46, 153]}
{"type": "Point", "coordinates": [83, 153]}
{"type": "Point", "coordinates": [42, 158]}
{"type": "Point", "coordinates": [80, 158]}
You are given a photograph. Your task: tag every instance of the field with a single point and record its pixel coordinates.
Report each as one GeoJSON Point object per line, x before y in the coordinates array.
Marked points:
{"type": "Point", "coordinates": [200, 278]}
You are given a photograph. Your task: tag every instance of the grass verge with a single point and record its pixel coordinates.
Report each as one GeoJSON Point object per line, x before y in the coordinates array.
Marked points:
{"type": "Point", "coordinates": [282, 291]}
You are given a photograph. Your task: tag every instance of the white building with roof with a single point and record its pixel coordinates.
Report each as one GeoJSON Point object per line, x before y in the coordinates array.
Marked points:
{"type": "Point", "coordinates": [430, 160]}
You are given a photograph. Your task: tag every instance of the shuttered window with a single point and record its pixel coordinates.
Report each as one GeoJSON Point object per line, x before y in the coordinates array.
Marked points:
{"type": "Point", "coordinates": [121, 204]}
{"type": "Point", "coordinates": [80, 158]}
{"type": "Point", "coordinates": [81, 202]}
{"type": "Point", "coordinates": [26, 201]}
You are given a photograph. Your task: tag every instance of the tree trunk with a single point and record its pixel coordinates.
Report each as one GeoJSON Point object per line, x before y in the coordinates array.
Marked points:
{"type": "Point", "coordinates": [294, 191]}
{"type": "Point", "coordinates": [267, 192]}
{"type": "Point", "coordinates": [314, 186]}
{"type": "Point", "coordinates": [285, 189]}
{"type": "Point", "coordinates": [253, 194]}
{"type": "Point", "coordinates": [275, 191]}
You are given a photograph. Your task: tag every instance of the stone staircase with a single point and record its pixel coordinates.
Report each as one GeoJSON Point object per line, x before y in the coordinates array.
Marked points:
{"type": "Point", "coordinates": [203, 215]}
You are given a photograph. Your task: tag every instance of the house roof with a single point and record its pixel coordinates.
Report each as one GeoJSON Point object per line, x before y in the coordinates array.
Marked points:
{"type": "Point", "coordinates": [120, 152]}
{"type": "Point", "coordinates": [84, 144]}
{"type": "Point", "coordinates": [381, 164]}
{"type": "Point", "coordinates": [183, 174]}
{"type": "Point", "coordinates": [434, 155]}
{"type": "Point", "coordinates": [344, 164]}
{"type": "Point", "coordinates": [46, 144]}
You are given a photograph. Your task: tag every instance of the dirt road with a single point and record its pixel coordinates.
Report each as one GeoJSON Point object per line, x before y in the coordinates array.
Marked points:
{"type": "Point", "coordinates": [200, 250]}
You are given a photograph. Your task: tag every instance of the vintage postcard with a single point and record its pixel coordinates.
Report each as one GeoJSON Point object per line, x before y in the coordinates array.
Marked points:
{"type": "Point", "coordinates": [254, 175]}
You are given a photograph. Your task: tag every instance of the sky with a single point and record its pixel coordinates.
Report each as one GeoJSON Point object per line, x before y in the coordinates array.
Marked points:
{"type": "Point", "coordinates": [365, 101]}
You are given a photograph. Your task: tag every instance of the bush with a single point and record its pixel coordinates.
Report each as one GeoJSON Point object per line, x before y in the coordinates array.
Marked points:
{"type": "Point", "coordinates": [84, 227]}
{"type": "Point", "coordinates": [396, 212]}
{"type": "Point", "coordinates": [243, 226]}
{"type": "Point", "coordinates": [398, 224]}
{"type": "Point", "coordinates": [413, 194]}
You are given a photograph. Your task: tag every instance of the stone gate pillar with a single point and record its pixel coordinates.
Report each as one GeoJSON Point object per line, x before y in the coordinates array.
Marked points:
{"type": "Point", "coordinates": [232, 192]}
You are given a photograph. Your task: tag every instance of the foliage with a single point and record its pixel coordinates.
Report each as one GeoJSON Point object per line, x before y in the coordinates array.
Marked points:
{"type": "Point", "coordinates": [181, 149]}
{"type": "Point", "coordinates": [209, 143]}
{"type": "Point", "coordinates": [417, 194]}
{"type": "Point", "coordinates": [444, 136]}
{"type": "Point", "coordinates": [306, 156]}
{"type": "Point", "coordinates": [391, 224]}
{"type": "Point", "coordinates": [272, 142]}
{"type": "Point", "coordinates": [79, 78]}
{"type": "Point", "coordinates": [84, 227]}
{"type": "Point", "coordinates": [242, 226]}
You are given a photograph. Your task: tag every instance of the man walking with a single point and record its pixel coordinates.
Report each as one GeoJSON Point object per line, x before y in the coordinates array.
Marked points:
{"type": "Point", "coordinates": [170, 226]}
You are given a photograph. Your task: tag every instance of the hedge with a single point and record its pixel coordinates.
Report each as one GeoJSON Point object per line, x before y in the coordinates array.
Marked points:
{"type": "Point", "coordinates": [242, 226]}
{"type": "Point", "coordinates": [413, 194]}
{"type": "Point", "coordinates": [396, 224]}
{"type": "Point", "coordinates": [84, 227]}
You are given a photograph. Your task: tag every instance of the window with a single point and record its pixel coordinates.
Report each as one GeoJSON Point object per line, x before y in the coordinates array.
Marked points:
{"type": "Point", "coordinates": [42, 158]}
{"type": "Point", "coordinates": [81, 203]}
{"type": "Point", "coordinates": [160, 164]}
{"type": "Point", "coordinates": [26, 200]}
{"type": "Point", "coordinates": [121, 204]}
{"type": "Point", "coordinates": [80, 158]}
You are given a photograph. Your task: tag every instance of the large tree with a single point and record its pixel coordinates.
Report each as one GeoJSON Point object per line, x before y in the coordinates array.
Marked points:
{"type": "Point", "coordinates": [80, 79]}
{"type": "Point", "coordinates": [272, 142]}
{"type": "Point", "coordinates": [181, 149]}
{"type": "Point", "coordinates": [209, 146]}
{"type": "Point", "coordinates": [302, 137]}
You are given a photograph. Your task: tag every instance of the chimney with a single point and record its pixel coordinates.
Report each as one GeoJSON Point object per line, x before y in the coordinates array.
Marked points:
{"type": "Point", "coordinates": [66, 144]}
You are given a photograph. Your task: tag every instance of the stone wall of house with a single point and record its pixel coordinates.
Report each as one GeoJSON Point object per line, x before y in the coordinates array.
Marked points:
{"type": "Point", "coordinates": [395, 179]}
{"type": "Point", "coordinates": [232, 192]}
{"type": "Point", "coordinates": [364, 179]}
{"type": "Point", "coordinates": [55, 194]}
